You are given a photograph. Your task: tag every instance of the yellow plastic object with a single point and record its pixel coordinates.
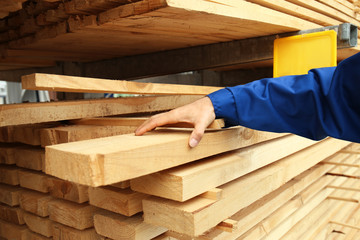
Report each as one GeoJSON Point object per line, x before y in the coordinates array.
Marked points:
{"type": "Point", "coordinates": [298, 54]}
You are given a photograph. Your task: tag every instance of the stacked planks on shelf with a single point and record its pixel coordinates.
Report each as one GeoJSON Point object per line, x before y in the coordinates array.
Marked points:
{"type": "Point", "coordinates": [237, 184]}
{"type": "Point", "coordinates": [89, 30]}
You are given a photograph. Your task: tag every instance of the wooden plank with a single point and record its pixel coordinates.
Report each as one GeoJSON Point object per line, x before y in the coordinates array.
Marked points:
{"type": "Point", "coordinates": [40, 81]}
{"type": "Point", "coordinates": [115, 226]}
{"type": "Point", "coordinates": [13, 231]}
{"type": "Point", "coordinates": [185, 182]}
{"type": "Point", "coordinates": [9, 175]}
{"type": "Point", "coordinates": [13, 215]}
{"type": "Point", "coordinates": [102, 163]}
{"type": "Point", "coordinates": [40, 225]}
{"type": "Point", "coordinates": [34, 180]}
{"type": "Point", "coordinates": [74, 192]}
{"type": "Point", "coordinates": [30, 158]}
{"type": "Point", "coordinates": [7, 154]}
{"type": "Point", "coordinates": [34, 236]}
{"type": "Point", "coordinates": [35, 202]}
{"type": "Point", "coordinates": [9, 195]}
{"type": "Point", "coordinates": [62, 232]}
{"type": "Point", "coordinates": [74, 133]}
{"type": "Point", "coordinates": [157, 211]}
{"type": "Point", "coordinates": [122, 201]}
{"type": "Point", "coordinates": [79, 216]}
{"type": "Point", "coordinates": [30, 134]}
{"type": "Point", "coordinates": [137, 121]}
{"type": "Point", "coordinates": [15, 114]}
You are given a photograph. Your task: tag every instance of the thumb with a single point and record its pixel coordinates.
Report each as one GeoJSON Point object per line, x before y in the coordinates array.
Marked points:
{"type": "Point", "coordinates": [196, 136]}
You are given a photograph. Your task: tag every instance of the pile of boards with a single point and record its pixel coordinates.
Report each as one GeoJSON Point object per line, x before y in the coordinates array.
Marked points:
{"type": "Point", "coordinates": [89, 30]}
{"type": "Point", "coordinates": [96, 180]}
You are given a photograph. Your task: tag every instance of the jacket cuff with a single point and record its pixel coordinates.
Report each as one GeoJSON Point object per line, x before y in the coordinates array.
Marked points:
{"type": "Point", "coordinates": [224, 106]}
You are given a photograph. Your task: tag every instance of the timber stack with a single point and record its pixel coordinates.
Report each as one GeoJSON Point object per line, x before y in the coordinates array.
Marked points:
{"type": "Point", "coordinates": [75, 170]}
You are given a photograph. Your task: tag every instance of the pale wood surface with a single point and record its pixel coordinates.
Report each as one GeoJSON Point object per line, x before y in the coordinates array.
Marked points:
{"type": "Point", "coordinates": [269, 178]}
{"type": "Point", "coordinates": [122, 201]}
{"type": "Point", "coordinates": [30, 157]}
{"type": "Point", "coordinates": [185, 182]}
{"type": "Point", "coordinates": [62, 83]}
{"type": "Point", "coordinates": [59, 188]}
{"type": "Point", "coordinates": [62, 232]}
{"type": "Point", "coordinates": [79, 216]}
{"type": "Point", "coordinates": [109, 160]}
{"type": "Point", "coordinates": [116, 226]}
{"type": "Point", "coordinates": [15, 114]}
{"type": "Point", "coordinates": [40, 225]}
{"type": "Point", "coordinates": [35, 202]}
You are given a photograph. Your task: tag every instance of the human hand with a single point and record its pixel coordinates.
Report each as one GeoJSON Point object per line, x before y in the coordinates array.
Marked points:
{"type": "Point", "coordinates": [199, 113]}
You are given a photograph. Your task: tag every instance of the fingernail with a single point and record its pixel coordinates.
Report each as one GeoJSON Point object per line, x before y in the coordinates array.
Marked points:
{"type": "Point", "coordinates": [193, 142]}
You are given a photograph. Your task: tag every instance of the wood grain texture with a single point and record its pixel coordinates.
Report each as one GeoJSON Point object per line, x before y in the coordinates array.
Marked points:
{"type": "Point", "coordinates": [116, 226]}
{"type": "Point", "coordinates": [188, 181]}
{"type": "Point", "coordinates": [109, 160]}
{"type": "Point", "coordinates": [62, 232]}
{"type": "Point", "coordinates": [13, 231]}
{"type": "Point", "coordinates": [13, 215]}
{"type": "Point", "coordinates": [35, 202]}
{"type": "Point", "coordinates": [269, 178]}
{"type": "Point", "coordinates": [15, 114]}
{"type": "Point", "coordinates": [39, 81]}
{"type": "Point", "coordinates": [40, 225]}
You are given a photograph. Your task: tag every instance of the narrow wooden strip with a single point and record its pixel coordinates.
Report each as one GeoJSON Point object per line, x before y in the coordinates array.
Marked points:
{"type": "Point", "coordinates": [13, 215]}
{"type": "Point", "coordinates": [62, 232]}
{"type": "Point", "coordinates": [116, 226]}
{"type": "Point", "coordinates": [39, 81]}
{"type": "Point", "coordinates": [40, 225]}
{"type": "Point", "coordinates": [132, 121]}
{"type": "Point", "coordinates": [196, 178]}
{"type": "Point", "coordinates": [122, 201]}
{"type": "Point", "coordinates": [345, 225]}
{"type": "Point", "coordinates": [344, 175]}
{"type": "Point", "coordinates": [74, 133]}
{"type": "Point", "coordinates": [15, 114]}
{"type": "Point", "coordinates": [227, 225]}
{"type": "Point", "coordinates": [109, 160]}
{"type": "Point", "coordinates": [35, 202]}
{"type": "Point", "coordinates": [345, 188]}
{"type": "Point", "coordinates": [342, 164]}
{"type": "Point", "coordinates": [79, 216]}
{"type": "Point", "coordinates": [343, 199]}
{"type": "Point", "coordinates": [350, 151]}
{"type": "Point", "coordinates": [169, 213]}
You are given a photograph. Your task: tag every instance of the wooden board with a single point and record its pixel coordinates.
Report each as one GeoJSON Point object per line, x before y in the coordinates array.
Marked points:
{"type": "Point", "coordinates": [13, 231]}
{"type": "Point", "coordinates": [79, 216]}
{"type": "Point", "coordinates": [13, 215]}
{"type": "Point", "coordinates": [116, 226]}
{"type": "Point", "coordinates": [40, 225]}
{"type": "Point", "coordinates": [7, 154]}
{"type": "Point", "coordinates": [30, 157]}
{"type": "Point", "coordinates": [34, 180]}
{"type": "Point", "coordinates": [9, 175]}
{"type": "Point", "coordinates": [15, 114]}
{"type": "Point", "coordinates": [62, 232]}
{"type": "Point", "coordinates": [50, 82]}
{"type": "Point", "coordinates": [185, 182]}
{"type": "Point", "coordinates": [30, 235]}
{"type": "Point", "coordinates": [9, 195]}
{"type": "Point", "coordinates": [109, 160]}
{"type": "Point", "coordinates": [35, 202]}
{"type": "Point", "coordinates": [59, 188]}
{"type": "Point", "coordinates": [122, 201]}
{"type": "Point", "coordinates": [196, 212]}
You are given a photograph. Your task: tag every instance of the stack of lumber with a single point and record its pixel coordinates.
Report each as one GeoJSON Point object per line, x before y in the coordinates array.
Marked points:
{"type": "Point", "coordinates": [45, 31]}
{"type": "Point", "coordinates": [95, 180]}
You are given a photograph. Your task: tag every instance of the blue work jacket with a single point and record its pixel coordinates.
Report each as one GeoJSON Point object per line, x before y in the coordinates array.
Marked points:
{"type": "Point", "coordinates": [324, 102]}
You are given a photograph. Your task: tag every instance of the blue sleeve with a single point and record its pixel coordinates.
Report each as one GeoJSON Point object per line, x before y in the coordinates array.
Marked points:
{"type": "Point", "coordinates": [324, 102]}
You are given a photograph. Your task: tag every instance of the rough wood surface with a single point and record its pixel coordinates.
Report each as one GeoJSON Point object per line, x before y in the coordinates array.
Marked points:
{"type": "Point", "coordinates": [122, 201]}
{"type": "Point", "coordinates": [40, 225]}
{"type": "Point", "coordinates": [269, 178]}
{"type": "Point", "coordinates": [79, 216]}
{"type": "Point", "coordinates": [59, 188]}
{"type": "Point", "coordinates": [9, 175]}
{"type": "Point", "coordinates": [185, 182]}
{"type": "Point", "coordinates": [15, 114]}
{"type": "Point", "coordinates": [13, 215]}
{"type": "Point", "coordinates": [62, 232]}
{"type": "Point", "coordinates": [116, 226]}
{"type": "Point", "coordinates": [109, 160]}
{"type": "Point", "coordinates": [13, 231]}
{"type": "Point", "coordinates": [34, 180]}
{"type": "Point", "coordinates": [30, 157]}
{"type": "Point", "coordinates": [35, 202]}
{"type": "Point", "coordinates": [62, 83]}
{"type": "Point", "coordinates": [9, 195]}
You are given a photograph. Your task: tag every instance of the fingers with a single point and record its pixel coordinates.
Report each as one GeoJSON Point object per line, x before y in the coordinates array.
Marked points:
{"type": "Point", "coordinates": [156, 121]}
{"type": "Point", "coordinates": [198, 133]}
